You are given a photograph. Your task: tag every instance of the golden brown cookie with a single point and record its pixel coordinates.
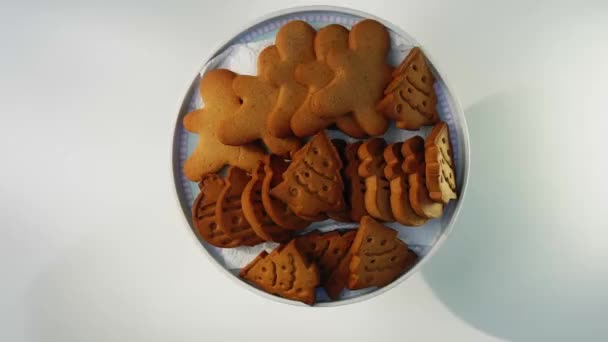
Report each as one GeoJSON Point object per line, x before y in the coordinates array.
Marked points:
{"type": "Point", "coordinates": [361, 73]}
{"type": "Point", "coordinates": [440, 175]}
{"type": "Point", "coordinates": [413, 154]}
{"type": "Point", "coordinates": [353, 183]}
{"type": "Point", "coordinates": [414, 166]}
{"type": "Point", "coordinates": [203, 210]}
{"type": "Point", "coordinates": [378, 256]}
{"type": "Point", "coordinates": [377, 189]}
{"type": "Point", "coordinates": [277, 64]}
{"type": "Point", "coordinates": [284, 272]}
{"type": "Point", "coordinates": [210, 155]}
{"type": "Point", "coordinates": [410, 98]}
{"type": "Point", "coordinates": [400, 189]}
{"type": "Point", "coordinates": [337, 280]}
{"type": "Point", "coordinates": [344, 215]}
{"type": "Point", "coordinates": [229, 211]}
{"type": "Point", "coordinates": [312, 183]}
{"type": "Point", "coordinates": [254, 211]}
{"type": "Point", "coordinates": [317, 74]}
{"type": "Point", "coordinates": [326, 250]}
{"type": "Point", "coordinates": [279, 212]}
{"type": "Point", "coordinates": [248, 123]}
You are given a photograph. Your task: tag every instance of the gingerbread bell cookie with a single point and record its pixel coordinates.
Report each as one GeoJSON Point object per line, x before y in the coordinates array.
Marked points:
{"type": "Point", "coordinates": [410, 98]}
{"type": "Point", "coordinates": [312, 184]}
{"type": "Point", "coordinates": [229, 214]}
{"type": "Point", "coordinates": [284, 272]}
{"type": "Point", "coordinates": [253, 209]}
{"type": "Point", "coordinates": [377, 189]}
{"type": "Point", "coordinates": [440, 175]}
{"type": "Point", "coordinates": [210, 155]}
{"type": "Point", "coordinates": [203, 211]}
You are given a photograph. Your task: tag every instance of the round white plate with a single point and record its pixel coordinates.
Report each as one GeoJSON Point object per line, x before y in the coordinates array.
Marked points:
{"type": "Point", "coordinates": [423, 240]}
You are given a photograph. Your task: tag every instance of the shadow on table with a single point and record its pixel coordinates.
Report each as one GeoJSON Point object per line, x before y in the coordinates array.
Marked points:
{"type": "Point", "coordinates": [509, 268]}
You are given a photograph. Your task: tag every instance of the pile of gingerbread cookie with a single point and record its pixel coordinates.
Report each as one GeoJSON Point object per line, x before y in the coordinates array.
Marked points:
{"type": "Point", "coordinates": [274, 187]}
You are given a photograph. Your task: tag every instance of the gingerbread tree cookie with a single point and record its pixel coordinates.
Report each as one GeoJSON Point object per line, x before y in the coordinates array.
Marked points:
{"type": "Point", "coordinates": [254, 211]}
{"type": "Point", "coordinates": [248, 123]}
{"type": "Point", "coordinates": [326, 250]}
{"type": "Point", "coordinates": [378, 256]}
{"type": "Point", "coordinates": [312, 184]}
{"type": "Point", "coordinates": [210, 154]}
{"type": "Point", "coordinates": [277, 64]}
{"type": "Point", "coordinates": [377, 189]}
{"type": "Point", "coordinates": [284, 272]}
{"type": "Point", "coordinates": [414, 165]}
{"type": "Point", "coordinates": [400, 189]}
{"type": "Point", "coordinates": [316, 75]}
{"type": "Point", "coordinates": [229, 211]}
{"type": "Point", "coordinates": [361, 73]}
{"type": "Point", "coordinates": [410, 98]}
{"type": "Point", "coordinates": [440, 175]}
{"type": "Point", "coordinates": [344, 214]}
{"type": "Point", "coordinates": [279, 212]}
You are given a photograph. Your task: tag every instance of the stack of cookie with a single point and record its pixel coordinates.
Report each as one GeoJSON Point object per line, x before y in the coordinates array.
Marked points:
{"type": "Point", "coordinates": [307, 82]}
{"type": "Point", "coordinates": [408, 182]}
{"type": "Point", "coordinates": [370, 256]}
{"type": "Point", "coordinates": [274, 187]}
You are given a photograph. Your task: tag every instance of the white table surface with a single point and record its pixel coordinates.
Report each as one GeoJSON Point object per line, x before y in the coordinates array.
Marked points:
{"type": "Point", "coordinates": [93, 246]}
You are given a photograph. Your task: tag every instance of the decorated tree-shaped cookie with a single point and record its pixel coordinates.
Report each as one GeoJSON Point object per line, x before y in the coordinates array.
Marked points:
{"type": "Point", "coordinates": [378, 256]}
{"type": "Point", "coordinates": [325, 249]}
{"type": "Point", "coordinates": [440, 175]}
{"type": "Point", "coordinates": [210, 155]}
{"type": "Point", "coordinates": [312, 184]}
{"type": "Point", "coordinates": [410, 98]}
{"type": "Point", "coordinates": [279, 211]}
{"type": "Point", "coordinates": [284, 272]}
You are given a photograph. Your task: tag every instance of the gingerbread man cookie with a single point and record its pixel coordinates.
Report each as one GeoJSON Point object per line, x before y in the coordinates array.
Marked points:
{"type": "Point", "coordinates": [210, 154]}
